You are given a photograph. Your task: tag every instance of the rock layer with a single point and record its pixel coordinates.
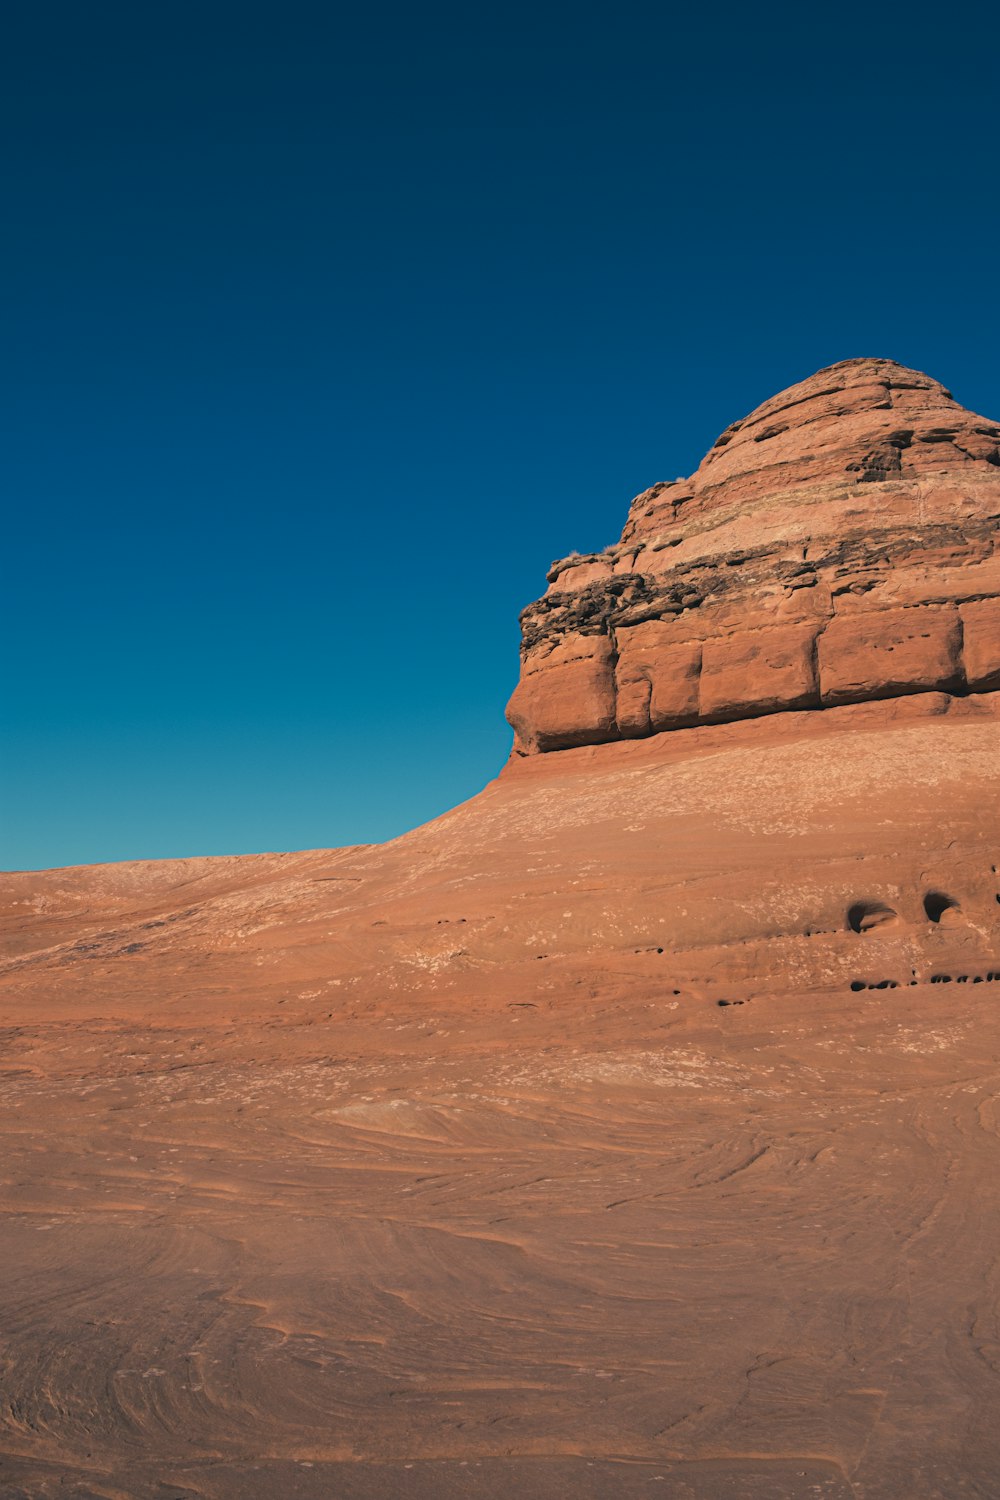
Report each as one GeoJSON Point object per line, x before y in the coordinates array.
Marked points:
{"type": "Point", "coordinates": [837, 545]}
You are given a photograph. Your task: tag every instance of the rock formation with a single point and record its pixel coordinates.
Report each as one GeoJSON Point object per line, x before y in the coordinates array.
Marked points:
{"type": "Point", "coordinates": [836, 545]}
{"type": "Point", "coordinates": [629, 1130]}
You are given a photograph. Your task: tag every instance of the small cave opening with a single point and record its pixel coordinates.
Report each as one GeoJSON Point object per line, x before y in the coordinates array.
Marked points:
{"type": "Point", "coordinates": [937, 905]}
{"type": "Point", "coordinates": [864, 916]}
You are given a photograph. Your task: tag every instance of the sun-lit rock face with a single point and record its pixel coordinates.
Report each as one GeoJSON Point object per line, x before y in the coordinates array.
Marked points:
{"type": "Point", "coordinates": [836, 545]}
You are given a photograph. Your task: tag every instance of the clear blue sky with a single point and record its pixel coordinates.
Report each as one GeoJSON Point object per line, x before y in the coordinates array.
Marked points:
{"type": "Point", "coordinates": [324, 333]}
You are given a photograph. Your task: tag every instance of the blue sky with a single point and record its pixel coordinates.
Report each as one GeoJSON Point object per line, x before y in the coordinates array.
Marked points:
{"type": "Point", "coordinates": [325, 333]}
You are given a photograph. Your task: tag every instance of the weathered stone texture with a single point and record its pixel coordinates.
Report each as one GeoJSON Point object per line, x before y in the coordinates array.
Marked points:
{"type": "Point", "coordinates": [981, 643]}
{"type": "Point", "coordinates": [570, 701]}
{"type": "Point", "coordinates": [890, 652]}
{"type": "Point", "coordinates": [838, 544]}
{"type": "Point", "coordinates": [758, 672]}
{"type": "Point", "coordinates": [657, 679]}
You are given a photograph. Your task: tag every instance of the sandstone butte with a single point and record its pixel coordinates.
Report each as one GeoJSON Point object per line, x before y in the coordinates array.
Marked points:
{"type": "Point", "coordinates": [632, 1129]}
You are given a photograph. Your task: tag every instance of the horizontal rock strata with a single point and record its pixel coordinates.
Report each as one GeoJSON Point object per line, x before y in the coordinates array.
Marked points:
{"type": "Point", "coordinates": [839, 544]}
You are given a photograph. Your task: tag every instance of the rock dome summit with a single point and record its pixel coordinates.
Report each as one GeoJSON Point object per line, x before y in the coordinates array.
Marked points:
{"type": "Point", "coordinates": [629, 1130]}
{"type": "Point", "coordinates": [836, 545]}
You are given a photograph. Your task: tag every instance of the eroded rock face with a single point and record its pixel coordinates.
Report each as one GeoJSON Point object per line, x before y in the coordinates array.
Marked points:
{"type": "Point", "coordinates": [837, 545]}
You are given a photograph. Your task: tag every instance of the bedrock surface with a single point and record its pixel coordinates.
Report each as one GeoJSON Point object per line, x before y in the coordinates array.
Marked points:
{"type": "Point", "coordinates": [630, 1130]}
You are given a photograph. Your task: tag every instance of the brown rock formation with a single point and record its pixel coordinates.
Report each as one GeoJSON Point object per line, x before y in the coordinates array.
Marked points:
{"type": "Point", "coordinates": [832, 547]}
{"type": "Point", "coordinates": [630, 1130]}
